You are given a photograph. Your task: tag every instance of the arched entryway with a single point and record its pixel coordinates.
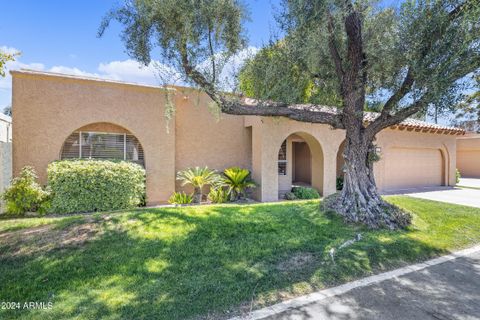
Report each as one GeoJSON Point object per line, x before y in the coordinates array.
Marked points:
{"type": "Point", "coordinates": [103, 140]}
{"type": "Point", "coordinates": [300, 163]}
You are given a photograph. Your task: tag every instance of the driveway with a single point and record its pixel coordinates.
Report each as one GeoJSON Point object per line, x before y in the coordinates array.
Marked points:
{"type": "Point", "coordinates": [444, 289]}
{"type": "Point", "coordinates": [463, 196]}
{"type": "Point", "coordinates": [469, 182]}
{"type": "Point", "coordinates": [456, 195]}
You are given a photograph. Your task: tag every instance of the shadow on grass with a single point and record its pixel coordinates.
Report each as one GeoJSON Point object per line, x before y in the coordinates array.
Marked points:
{"type": "Point", "coordinates": [171, 263]}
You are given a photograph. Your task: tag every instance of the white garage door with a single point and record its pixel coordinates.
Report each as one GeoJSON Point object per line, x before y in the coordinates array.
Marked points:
{"type": "Point", "coordinates": [411, 168]}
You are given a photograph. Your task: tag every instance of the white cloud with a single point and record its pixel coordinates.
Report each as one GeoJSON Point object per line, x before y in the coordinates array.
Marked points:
{"type": "Point", "coordinates": [128, 70]}
{"type": "Point", "coordinates": [73, 71]}
{"type": "Point", "coordinates": [9, 50]}
{"type": "Point", "coordinates": [6, 82]}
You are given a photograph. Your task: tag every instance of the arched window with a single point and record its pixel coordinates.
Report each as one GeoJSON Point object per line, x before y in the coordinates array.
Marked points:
{"type": "Point", "coordinates": [103, 145]}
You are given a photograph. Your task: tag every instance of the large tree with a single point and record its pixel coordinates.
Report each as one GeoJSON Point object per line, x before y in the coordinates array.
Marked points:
{"type": "Point", "coordinates": [468, 110]}
{"type": "Point", "coordinates": [340, 52]}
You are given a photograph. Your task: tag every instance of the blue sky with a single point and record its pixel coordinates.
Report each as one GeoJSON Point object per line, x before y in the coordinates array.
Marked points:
{"type": "Point", "coordinates": [59, 35]}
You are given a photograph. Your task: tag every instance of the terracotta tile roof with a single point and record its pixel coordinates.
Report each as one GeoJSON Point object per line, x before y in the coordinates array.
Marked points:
{"type": "Point", "coordinates": [409, 124]}
{"type": "Point", "coordinates": [417, 125]}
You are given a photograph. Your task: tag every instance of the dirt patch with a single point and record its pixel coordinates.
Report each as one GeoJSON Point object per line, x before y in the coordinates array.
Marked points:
{"type": "Point", "coordinates": [295, 261]}
{"type": "Point", "coordinates": [78, 235]}
{"type": "Point", "coordinates": [48, 237]}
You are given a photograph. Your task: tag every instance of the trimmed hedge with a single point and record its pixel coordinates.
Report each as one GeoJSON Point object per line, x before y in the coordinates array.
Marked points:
{"type": "Point", "coordinates": [95, 185]}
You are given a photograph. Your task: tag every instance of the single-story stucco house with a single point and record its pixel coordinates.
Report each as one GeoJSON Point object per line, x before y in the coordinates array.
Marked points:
{"type": "Point", "coordinates": [61, 116]}
{"type": "Point", "coordinates": [468, 155]}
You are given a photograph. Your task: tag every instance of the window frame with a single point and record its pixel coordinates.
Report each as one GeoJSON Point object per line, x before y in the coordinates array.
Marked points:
{"type": "Point", "coordinates": [282, 162]}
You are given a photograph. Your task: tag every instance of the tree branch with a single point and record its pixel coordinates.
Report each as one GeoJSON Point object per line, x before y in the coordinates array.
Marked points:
{"type": "Point", "coordinates": [400, 93]}
{"type": "Point", "coordinates": [212, 54]}
{"type": "Point", "coordinates": [309, 113]}
{"type": "Point", "coordinates": [404, 113]}
{"type": "Point", "coordinates": [385, 119]}
{"type": "Point", "coordinates": [235, 106]}
{"type": "Point", "coordinates": [337, 60]}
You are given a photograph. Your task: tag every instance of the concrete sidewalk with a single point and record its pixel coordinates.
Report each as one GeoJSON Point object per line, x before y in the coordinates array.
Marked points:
{"type": "Point", "coordinates": [439, 289]}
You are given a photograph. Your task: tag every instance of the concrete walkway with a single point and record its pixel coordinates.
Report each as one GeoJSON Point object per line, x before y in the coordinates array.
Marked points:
{"type": "Point", "coordinates": [439, 289]}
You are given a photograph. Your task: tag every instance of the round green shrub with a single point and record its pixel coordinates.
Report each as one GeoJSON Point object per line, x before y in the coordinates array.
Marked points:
{"type": "Point", "coordinates": [290, 196]}
{"type": "Point", "coordinates": [95, 185]}
{"type": "Point", "coordinates": [305, 193]}
{"type": "Point", "coordinates": [25, 194]}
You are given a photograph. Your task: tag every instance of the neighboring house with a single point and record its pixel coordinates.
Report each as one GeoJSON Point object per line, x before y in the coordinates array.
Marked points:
{"type": "Point", "coordinates": [5, 151]}
{"type": "Point", "coordinates": [61, 117]}
{"type": "Point", "coordinates": [468, 155]}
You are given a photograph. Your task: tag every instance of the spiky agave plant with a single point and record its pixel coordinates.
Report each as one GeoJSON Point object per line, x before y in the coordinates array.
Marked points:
{"type": "Point", "coordinates": [198, 178]}
{"type": "Point", "coordinates": [238, 181]}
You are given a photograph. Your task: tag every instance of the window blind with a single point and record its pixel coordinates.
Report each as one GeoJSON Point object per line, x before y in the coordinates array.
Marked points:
{"type": "Point", "coordinates": [99, 145]}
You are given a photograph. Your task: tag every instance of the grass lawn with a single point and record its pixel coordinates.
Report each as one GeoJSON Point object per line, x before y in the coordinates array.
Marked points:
{"type": "Point", "coordinates": [206, 262]}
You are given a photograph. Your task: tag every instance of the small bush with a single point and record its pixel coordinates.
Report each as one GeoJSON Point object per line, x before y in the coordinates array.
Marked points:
{"type": "Point", "coordinates": [95, 185]}
{"type": "Point", "coordinates": [238, 182]}
{"type": "Point", "coordinates": [180, 198]}
{"type": "Point", "coordinates": [290, 196]}
{"type": "Point", "coordinates": [25, 194]}
{"type": "Point", "coordinates": [218, 195]}
{"type": "Point", "coordinates": [198, 178]}
{"type": "Point", "coordinates": [340, 183]}
{"type": "Point", "coordinates": [457, 176]}
{"type": "Point", "coordinates": [305, 193]}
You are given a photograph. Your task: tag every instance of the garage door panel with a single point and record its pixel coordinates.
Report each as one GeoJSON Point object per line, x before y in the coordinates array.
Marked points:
{"type": "Point", "coordinates": [412, 167]}
{"type": "Point", "coordinates": [468, 163]}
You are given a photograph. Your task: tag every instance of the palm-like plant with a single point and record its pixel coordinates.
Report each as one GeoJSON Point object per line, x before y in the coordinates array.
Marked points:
{"type": "Point", "coordinates": [238, 181]}
{"type": "Point", "coordinates": [198, 178]}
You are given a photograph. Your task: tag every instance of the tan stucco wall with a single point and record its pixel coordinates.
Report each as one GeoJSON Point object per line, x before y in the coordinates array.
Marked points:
{"type": "Point", "coordinates": [47, 108]}
{"type": "Point", "coordinates": [468, 156]}
{"type": "Point", "coordinates": [205, 139]}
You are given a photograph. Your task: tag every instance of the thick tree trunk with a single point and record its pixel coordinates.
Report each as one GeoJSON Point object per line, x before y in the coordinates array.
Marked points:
{"type": "Point", "coordinates": [359, 201]}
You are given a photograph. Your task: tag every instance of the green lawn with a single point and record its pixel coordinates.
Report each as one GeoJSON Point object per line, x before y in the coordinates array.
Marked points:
{"type": "Point", "coordinates": [211, 261]}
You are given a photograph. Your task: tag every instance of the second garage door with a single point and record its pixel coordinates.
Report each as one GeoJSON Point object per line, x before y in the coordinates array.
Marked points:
{"type": "Point", "coordinates": [411, 168]}
{"type": "Point", "coordinates": [468, 163]}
